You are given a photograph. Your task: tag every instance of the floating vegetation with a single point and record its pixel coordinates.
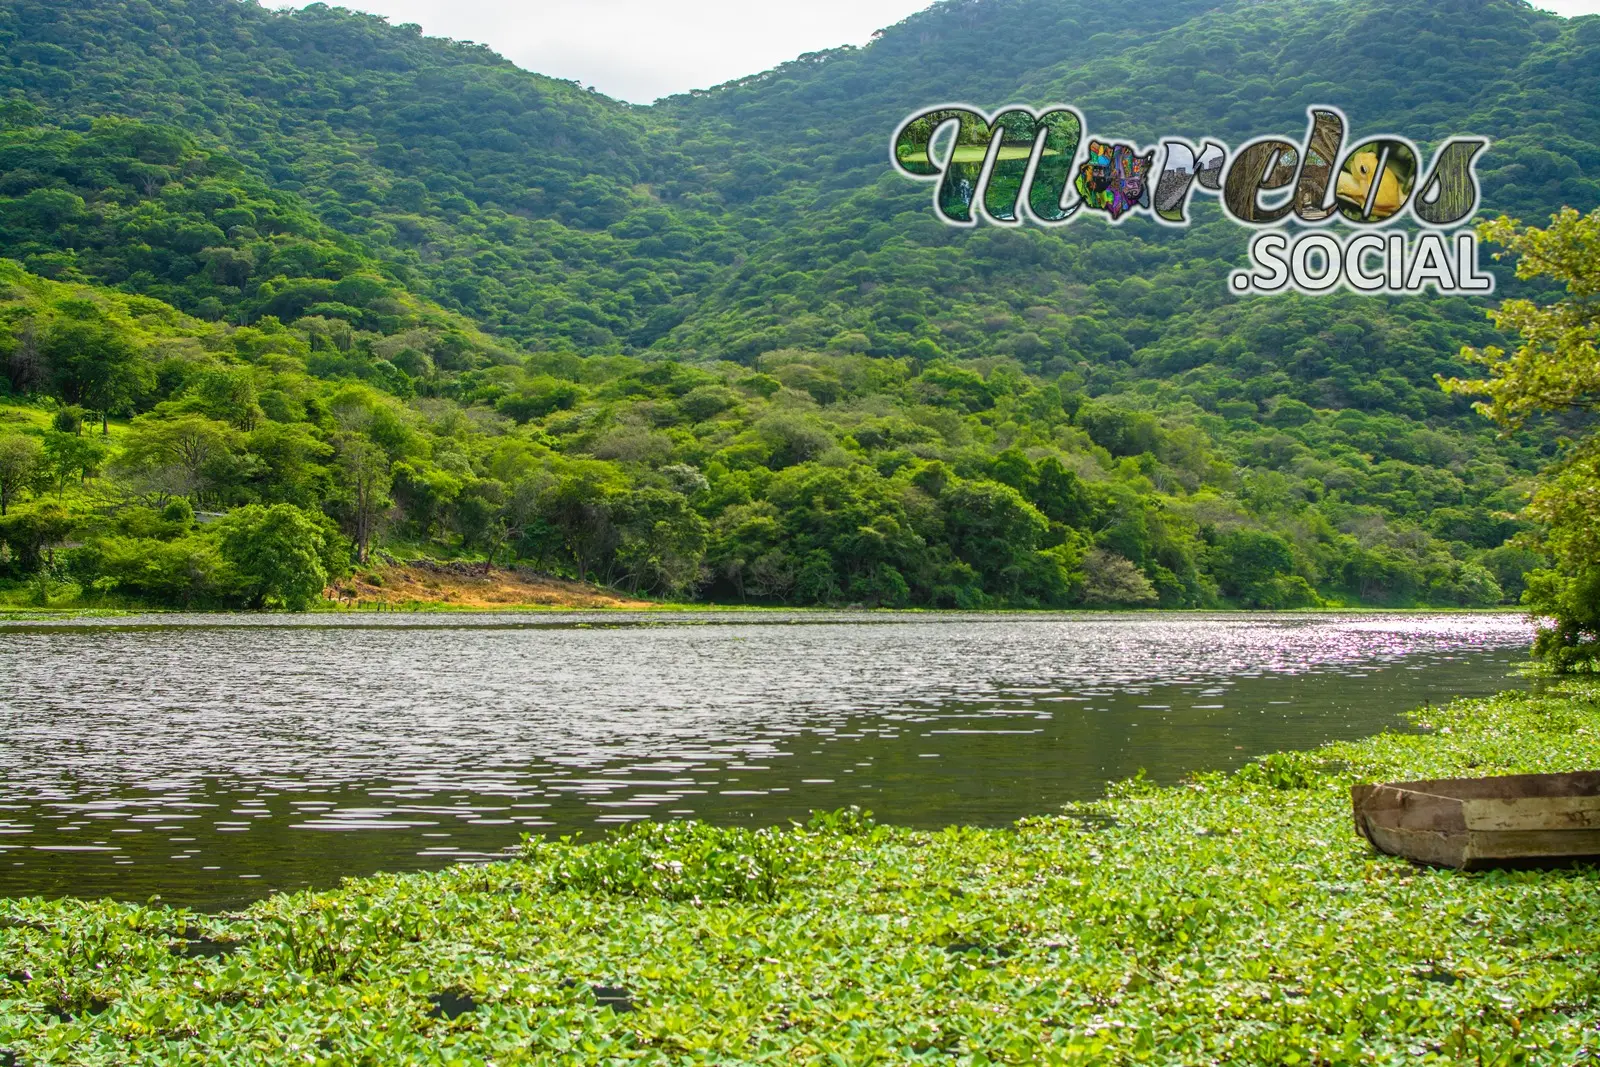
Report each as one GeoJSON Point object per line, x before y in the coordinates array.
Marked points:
{"type": "Point", "coordinates": [206, 948]}
{"type": "Point", "coordinates": [1236, 918]}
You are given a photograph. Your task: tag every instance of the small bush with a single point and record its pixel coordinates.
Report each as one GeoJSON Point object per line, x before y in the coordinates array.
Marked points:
{"type": "Point", "coordinates": [677, 861]}
{"type": "Point", "coordinates": [1282, 770]}
{"type": "Point", "coordinates": [851, 821]}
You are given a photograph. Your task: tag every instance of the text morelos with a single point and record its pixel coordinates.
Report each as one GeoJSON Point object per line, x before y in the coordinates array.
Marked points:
{"type": "Point", "coordinates": [1021, 164]}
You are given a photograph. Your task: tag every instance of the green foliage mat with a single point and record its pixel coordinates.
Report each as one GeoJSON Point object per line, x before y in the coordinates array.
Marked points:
{"type": "Point", "coordinates": [1235, 919]}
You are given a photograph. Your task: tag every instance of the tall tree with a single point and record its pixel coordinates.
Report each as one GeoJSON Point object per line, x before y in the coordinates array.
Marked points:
{"type": "Point", "coordinates": [580, 505]}
{"type": "Point", "coordinates": [25, 365]}
{"type": "Point", "coordinates": [364, 470]}
{"type": "Point", "coordinates": [1555, 368]}
{"type": "Point", "coordinates": [21, 458]}
{"type": "Point", "coordinates": [661, 542]}
{"type": "Point", "coordinates": [277, 555]}
{"type": "Point", "coordinates": [184, 447]}
{"type": "Point", "coordinates": [97, 366]}
{"type": "Point", "coordinates": [72, 456]}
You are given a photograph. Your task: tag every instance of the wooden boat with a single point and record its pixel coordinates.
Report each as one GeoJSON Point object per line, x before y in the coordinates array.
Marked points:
{"type": "Point", "coordinates": [1473, 823]}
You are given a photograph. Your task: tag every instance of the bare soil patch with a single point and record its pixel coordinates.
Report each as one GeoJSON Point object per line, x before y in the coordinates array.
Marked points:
{"type": "Point", "coordinates": [470, 585]}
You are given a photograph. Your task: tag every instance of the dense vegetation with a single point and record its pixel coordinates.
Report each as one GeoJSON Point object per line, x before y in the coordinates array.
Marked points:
{"type": "Point", "coordinates": [1555, 367]}
{"type": "Point", "coordinates": [808, 477]}
{"type": "Point", "coordinates": [1100, 936]}
{"type": "Point", "coordinates": [398, 292]}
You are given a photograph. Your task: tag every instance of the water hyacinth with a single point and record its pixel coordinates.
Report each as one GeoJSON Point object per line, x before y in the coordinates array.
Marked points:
{"type": "Point", "coordinates": [674, 861]}
{"type": "Point", "coordinates": [1234, 919]}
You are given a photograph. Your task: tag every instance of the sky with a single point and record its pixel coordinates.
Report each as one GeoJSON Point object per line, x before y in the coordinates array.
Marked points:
{"type": "Point", "coordinates": [639, 50]}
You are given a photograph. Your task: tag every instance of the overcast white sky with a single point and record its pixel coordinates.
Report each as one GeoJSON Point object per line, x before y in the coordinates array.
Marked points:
{"type": "Point", "coordinates": [639, 50]}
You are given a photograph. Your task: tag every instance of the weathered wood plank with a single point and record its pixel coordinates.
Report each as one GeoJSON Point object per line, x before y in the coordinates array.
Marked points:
{"type": "Point", "coordinates": [1479, 822]}
{"type": "Point", "coordinates": [1424, 846]}
{"type": "Point", "coordinates": [1533, 813]}
{"type": "Point", "coordinates": [1533, 844]}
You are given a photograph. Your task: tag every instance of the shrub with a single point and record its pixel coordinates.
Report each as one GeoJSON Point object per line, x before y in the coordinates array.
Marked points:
{"type": "Point", "coordinates": [677, 861]}
{"type": "Point", "coordinates": [279, 555]}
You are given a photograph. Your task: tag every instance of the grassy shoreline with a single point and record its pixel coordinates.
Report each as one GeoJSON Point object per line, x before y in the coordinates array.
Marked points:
{"type": "Point", "coordinates": [1234, 919]}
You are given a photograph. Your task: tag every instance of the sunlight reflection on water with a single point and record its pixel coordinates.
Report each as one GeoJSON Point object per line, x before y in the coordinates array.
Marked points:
{"type": "Point", "coordinates": [212, 757]}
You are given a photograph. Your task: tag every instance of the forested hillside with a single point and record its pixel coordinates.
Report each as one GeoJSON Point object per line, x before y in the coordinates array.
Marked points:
{"type": "Point", "coordinates": [355, 286]}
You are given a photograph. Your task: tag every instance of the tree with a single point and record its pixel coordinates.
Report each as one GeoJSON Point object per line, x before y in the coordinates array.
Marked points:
{"type": "Point", "coordinates": [1110, 580]}
{"type": "Point", "coordinates": [1258, 568]}
{"type": "Point", "coordinates": [1060, 494]}
{"type": "Point", "coordinates": [29, 534]}
{"type": "Point", "coordinates": [517, 515]}
{"type": "Point", "coordinates": [1555, 368]}
{"type": "Point", "coordinates": [185, 448]}
{"type": "Point", "coordinates": [747, 551]}
{"type": "Point", "coordinates": [181, 572]}
{"type": "Point", "coordinates": [425, 495]}
{"type": "Point", "coordinates": [68, 419]}
{"type": "Point", "coordinates": [288, 460]}
{"type": "Point", "coordinates": [26, 365]}
{"type": "Point", "coordinates": [70, 456]}
{"type": "Point", "coordinates": [227, 394]}
{"type": "Point", "coordinates": [98, 367]}
{"type": "Point", "coordinates": [662, 541]}
{"type": "Point", "coordinates": [228, 266]}
{"type": "Point", "coordinates": [993, 529]}
{"type": "Point", "coordinates": [540, 397]}
{"type": "Point", "coordinates": [580, 505]}
{"type": "Point", "coordinates": [365, 477]}
{"type": "Point", "coordinates": [277, 554]}
{"type": "Point", "coordinates": [480, 515]}
{"type": "Point", "coordinates": [21, 458]}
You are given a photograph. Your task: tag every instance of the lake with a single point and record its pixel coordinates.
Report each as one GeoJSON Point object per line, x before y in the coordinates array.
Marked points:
{"type": "Point", "coordinates": [212, 759]}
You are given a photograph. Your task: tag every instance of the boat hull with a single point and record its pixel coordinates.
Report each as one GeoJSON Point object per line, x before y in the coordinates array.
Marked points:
{"type": "Point", "coordinates": [1476, 823]}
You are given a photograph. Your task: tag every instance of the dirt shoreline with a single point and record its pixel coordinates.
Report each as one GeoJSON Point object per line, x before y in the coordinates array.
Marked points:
{"type": "Point", "coordinates": [468, 585]}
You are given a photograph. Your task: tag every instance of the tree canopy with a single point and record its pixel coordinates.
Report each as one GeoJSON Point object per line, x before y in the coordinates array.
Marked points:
{"type": "Point", "coordinates": [1555, 368]}
{"type": "Point", "coordinates": [715, 347]}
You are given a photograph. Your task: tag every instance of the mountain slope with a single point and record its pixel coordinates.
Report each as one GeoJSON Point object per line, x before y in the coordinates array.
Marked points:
{"type": "Point", "coordinates": [1234, 71]}
{"type": "Point", "coordinates": [555, 215]}
{"type": "Point", "coordinates": [490, 189]}
{"type": "Point", "coordinates": [717, 346]}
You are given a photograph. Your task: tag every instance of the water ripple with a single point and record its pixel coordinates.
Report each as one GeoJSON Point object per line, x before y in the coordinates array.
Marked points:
{"type": "Point", "coordinates": [303, 748]}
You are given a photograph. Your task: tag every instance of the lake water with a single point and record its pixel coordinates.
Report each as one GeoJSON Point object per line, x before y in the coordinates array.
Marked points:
{"type": "Point", "coordinates": [213, 759]}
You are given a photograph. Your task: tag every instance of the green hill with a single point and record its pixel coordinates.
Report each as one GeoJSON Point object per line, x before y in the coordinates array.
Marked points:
{"type": "Point", "coordinates": [716, 347]}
